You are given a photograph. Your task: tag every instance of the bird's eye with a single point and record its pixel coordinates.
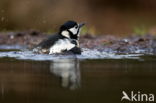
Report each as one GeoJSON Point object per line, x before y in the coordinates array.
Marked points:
{"type": "Point", "coordinates": [76, 27]}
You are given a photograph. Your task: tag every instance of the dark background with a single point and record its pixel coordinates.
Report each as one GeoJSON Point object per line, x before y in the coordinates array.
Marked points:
{"type": "Point", "coordinates": [102, 16]}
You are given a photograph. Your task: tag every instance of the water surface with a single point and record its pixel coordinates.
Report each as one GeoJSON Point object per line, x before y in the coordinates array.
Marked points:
{"type": "Point", "coordinates": [29, 78]}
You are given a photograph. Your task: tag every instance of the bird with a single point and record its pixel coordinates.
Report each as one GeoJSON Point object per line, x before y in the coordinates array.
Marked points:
{"type": "Point", "coordinates": [65, 40]}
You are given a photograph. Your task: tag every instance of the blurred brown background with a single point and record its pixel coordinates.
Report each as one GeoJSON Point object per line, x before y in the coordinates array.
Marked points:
{"type": "Point", "coordinates": [102, 16]}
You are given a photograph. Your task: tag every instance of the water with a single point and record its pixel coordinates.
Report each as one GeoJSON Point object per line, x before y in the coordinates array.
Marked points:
{"type": "Point", "coordinates": [93, 77]}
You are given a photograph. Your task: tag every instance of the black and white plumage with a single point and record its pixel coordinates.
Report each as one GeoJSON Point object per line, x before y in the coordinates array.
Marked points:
{"type": "Point", "coordinates": [66, 40]}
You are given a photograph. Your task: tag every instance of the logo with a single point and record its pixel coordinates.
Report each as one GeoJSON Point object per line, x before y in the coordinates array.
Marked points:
{"type": "Point", "coordinates": [137, 96]}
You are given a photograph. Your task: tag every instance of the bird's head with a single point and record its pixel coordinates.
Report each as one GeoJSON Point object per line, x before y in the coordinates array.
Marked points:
{"type": "Point", "coordinates": [71, 29]}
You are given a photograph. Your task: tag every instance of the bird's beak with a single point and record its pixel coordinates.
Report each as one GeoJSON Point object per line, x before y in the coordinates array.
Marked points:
{"type": "Point", "coordinates": [81, 25]}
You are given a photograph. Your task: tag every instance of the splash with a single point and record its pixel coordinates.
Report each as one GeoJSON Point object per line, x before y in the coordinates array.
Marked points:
{"type": "Point", "coordinates": [20, 53]}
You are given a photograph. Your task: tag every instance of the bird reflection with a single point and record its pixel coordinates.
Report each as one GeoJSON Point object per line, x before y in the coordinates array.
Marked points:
{"type": "Point", "coordinates": [68, 70]}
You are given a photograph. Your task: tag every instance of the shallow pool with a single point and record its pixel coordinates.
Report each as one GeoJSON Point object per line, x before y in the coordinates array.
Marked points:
{"type": "Point", "coordinates": [93, 77]}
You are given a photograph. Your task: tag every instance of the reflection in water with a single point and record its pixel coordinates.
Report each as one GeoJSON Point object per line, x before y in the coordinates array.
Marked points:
{"type": "Point", "coordinates": [68, 70]}
{"type": "Point", "coordinates": [26, 81]}
{"type": "Point", "coordinates": [2, 90]}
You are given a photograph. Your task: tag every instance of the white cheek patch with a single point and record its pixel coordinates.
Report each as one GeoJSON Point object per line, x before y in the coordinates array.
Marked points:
{"type": "Point", "coordinates": [73, 30]}
{"type": "Point", "coordinates": [65, 33]}
{"type": "Point", "coordinates": [61, 45]}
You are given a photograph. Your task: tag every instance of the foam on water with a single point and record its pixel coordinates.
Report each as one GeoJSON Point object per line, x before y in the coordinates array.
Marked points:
{"type": "Point", "coordinates": [86, 54]}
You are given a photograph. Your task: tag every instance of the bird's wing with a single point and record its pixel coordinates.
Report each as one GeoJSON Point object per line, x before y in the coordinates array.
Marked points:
{"type": "Point", "coordinates": [48, 42]}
